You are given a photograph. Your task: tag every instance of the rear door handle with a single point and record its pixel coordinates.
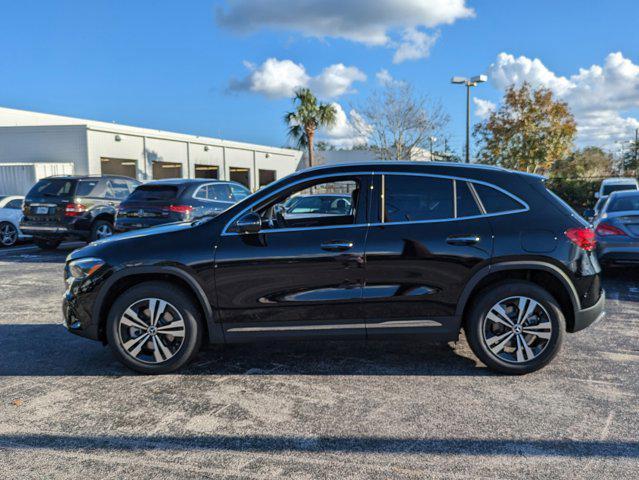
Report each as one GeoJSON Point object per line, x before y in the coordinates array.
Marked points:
{"type": "Point", "coordinates": [337, 246]}
{"type": "Point", "coordinates": [463, 239]}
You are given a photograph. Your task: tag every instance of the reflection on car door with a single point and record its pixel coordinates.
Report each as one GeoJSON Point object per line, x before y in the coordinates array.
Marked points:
{"type": "Point", "coordinates": [293, 281]}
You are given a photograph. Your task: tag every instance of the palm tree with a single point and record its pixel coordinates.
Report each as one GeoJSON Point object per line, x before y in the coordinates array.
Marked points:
{"type": "Point", "coordinates": [309, 115]}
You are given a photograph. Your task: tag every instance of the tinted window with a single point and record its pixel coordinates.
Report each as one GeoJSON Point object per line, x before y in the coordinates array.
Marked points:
{"type": "Point", "coordinates": [116, 188]}
{"type": "Point", "coordinates": [52, 187]}
{"type": "Point", "coordinates": [239, 192]}
{"type": "Point", "coordinates": [87, 188]}
{"type": "Point", "coordinates": [466, 204]}
{"type": "Point", "coordinates": [495, 201]}
{"type": "Point", "coordinates": [608, 189]}
{"type": "Point", "coordinates": [409, 198]}
{"type": "Point", "coordinates": [154, 192]}
{"type": "Point", "coordinates": [220, 192]}
{"type": "Point", "coordinates": [624, 204]}
{"type": "Point", "coordinates": [15, 204]}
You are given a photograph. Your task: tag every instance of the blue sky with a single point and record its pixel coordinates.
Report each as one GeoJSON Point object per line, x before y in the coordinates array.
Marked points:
{"type": "Point", "coordinates": [169, 65]}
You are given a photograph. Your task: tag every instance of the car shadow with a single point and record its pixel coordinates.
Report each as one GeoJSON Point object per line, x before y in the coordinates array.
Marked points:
{"type": "Point", "coordinates": [49, 350]}
{"type": "Point", "coordinates": [35, 255]}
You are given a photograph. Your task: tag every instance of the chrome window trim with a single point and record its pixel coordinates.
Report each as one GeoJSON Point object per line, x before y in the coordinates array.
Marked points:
{"type": "Point", "coordinates": [478, 201]}
{"type": "Point", "coordinates": [470, 181]}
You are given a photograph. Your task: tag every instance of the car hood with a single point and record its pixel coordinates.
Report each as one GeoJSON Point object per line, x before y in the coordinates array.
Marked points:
{"type": "Point", "coordinates": [119, 240]}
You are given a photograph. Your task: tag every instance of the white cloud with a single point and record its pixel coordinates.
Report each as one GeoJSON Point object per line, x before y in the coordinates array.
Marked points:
{"type": "Point", "coordinates": [280, 78]}
{"type": "Point", "coordinates": [483, 107]}
{"type": "Point", "coordinates": [600, 97]}
{"type": "Point", "coordinates": [369, 22]}
{"type": "Point", "coordinates": [387, 80]}
{"type": "Point", "coordinates": [415, 44]}
{"type": "Point", "coordinates": [347, 132]}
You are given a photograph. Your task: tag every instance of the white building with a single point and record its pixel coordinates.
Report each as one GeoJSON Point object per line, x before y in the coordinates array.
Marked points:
{"type": "Point", "coordinates": [108, 148]}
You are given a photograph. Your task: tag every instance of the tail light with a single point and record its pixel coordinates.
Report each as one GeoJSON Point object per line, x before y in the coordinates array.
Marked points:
{"type": "Point", "coordinates": [584, 238]}
{"type": "Point", "coordinates": [605, 229]}
{"type": "Point", "coordinates": [184, 210]}
{"type": "Point", "coordinates": [74, 209]}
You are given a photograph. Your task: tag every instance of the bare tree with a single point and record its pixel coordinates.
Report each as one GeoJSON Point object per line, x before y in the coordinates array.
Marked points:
{"type": "Point", "coordinates": [398, 122]}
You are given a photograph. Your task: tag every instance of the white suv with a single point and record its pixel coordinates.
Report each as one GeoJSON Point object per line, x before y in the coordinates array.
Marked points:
{"type": "Point", "coordinates": [610, 185]}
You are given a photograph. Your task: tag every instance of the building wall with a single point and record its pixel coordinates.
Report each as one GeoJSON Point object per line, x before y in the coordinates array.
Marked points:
{"type": "Point", "coordinates": [50, 144]}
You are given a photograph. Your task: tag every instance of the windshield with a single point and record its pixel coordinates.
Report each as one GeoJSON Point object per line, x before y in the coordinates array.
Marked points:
{"type": "Point", "coordinates": [153, 193]}
{"type": "Point", "coordinates": [608, 189]}
{"type": "Point", "coordinates": [624, 204]}
{"type": "Point", "coordinates": [52, 187]}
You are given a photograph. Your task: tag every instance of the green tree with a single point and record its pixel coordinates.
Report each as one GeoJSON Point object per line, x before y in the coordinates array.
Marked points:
{"type": "Point", "coordinates": [589, 162]}
{"type": "Point", "coordinates": [630, 159]}
{"type": "Point", "coordinates": [528, 132]}
{"type": "Point", "coordinates": [309, 115]}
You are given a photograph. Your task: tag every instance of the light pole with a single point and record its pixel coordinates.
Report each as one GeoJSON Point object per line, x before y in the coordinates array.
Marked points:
{"type": "Point", "coordinates": [469, 82]}
{"type": "Point", "coordinates": [432, 141]}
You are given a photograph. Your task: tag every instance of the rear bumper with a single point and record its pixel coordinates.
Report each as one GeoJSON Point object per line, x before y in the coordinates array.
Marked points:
{"type": "Point", "coordinates": [53, 231]}
{"type": "Point", "coordinates": [587, 316]}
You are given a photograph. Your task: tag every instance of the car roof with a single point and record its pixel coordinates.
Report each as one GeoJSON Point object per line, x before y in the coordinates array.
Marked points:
{"type": "Point", "coordinates": [188, 181]}
{"type": "Point", "coordinates": [88, 177]}
{"type": "Point", "coordinates": [337, 195]}
{"type": "Point", "coordinates": [619, 181]}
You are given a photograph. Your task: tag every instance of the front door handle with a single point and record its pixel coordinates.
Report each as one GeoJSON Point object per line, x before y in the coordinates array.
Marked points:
{"type": "Point", "coordinates": [463, 239]}
{"type": "Point", "coordinates": [337, 246]}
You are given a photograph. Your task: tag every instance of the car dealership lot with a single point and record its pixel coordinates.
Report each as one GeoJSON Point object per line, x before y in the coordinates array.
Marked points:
{"type": "Point", "coordinates": [306, 410]}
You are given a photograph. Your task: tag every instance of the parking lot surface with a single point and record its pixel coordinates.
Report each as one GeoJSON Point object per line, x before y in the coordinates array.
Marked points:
{"type": "Point", "coordinates": [309, 410]}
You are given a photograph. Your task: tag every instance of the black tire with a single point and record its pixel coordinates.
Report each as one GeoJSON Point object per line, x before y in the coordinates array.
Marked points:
{"type": "Point", "coordinates": [97, 229]}
{"type": "Point", "coordinates": [46, 243]}
{"type": "Point", "coordinates": [476, 325]}
{"type": "Point", "coordinates": [8, 234]}
{"type": "Point", "coordinates": [178, 299]}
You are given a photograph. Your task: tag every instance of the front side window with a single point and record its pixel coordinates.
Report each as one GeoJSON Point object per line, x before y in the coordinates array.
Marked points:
{"type": "Point", "coordinates": [495, 201]}
{"type": "Point", "coordinates": [409, 198]}
{"type": "Point", "coordinates": [14, 204]}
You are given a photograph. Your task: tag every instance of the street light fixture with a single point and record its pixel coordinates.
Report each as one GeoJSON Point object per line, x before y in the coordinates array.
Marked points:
{"type": "Point", "coordinates": [432, 141]}
{"type": "Point", "coordinates": [469, 82]}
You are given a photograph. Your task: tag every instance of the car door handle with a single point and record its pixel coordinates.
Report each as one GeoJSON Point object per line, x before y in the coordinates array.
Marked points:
{"type": "Point", "coordinates": [337, 246]}
{"type": "Point", "coordinates": [463, 239]}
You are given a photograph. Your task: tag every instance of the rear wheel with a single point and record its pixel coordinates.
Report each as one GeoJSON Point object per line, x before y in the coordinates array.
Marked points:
{"type": "Point", "coordinates": [154, 328]}
{"type": "Point", "coordinates": [8, 234]}
{"type": "Point", "coordinates": [46, 243]}
{"type": "Point", "coordinates": [101, 229]}
{"type": "Point", "coordinates": [515, 327]}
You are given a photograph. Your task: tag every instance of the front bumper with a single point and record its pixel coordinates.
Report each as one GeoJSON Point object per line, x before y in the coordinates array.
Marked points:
{"type": "Point", "coordinates": [587, 316]}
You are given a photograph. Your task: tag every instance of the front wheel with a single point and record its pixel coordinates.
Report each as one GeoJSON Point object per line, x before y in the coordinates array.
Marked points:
{"type": "Point", "coordinates": [154, 328]}
{"type": "Point", "coordinates": [515, 327]}
{"type": "Point", "coordinates": [8, 234]}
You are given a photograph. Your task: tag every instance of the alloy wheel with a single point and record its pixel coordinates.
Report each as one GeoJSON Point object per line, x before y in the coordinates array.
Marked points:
{"type": "Point", "coordinates": [104, 231]}
{"type": "Point", "coordinates": [151, 330]}
{"type": "Point", "coordinates": [517, 329]}
{"type": "Point", "coordinates": [8, 234]}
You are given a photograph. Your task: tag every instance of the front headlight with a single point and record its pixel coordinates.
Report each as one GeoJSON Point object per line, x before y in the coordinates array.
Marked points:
{"type": "Point", "coordinates": [83, 268]}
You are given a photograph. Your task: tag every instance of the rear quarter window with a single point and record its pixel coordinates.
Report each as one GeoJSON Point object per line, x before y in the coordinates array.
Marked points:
{"type": "Point", "coordinates": [495, 201]}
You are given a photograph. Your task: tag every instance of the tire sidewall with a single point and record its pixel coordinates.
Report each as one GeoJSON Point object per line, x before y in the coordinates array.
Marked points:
{"type": "Point", "coordinates": [176, 297]}
{"type": "Point", "coordinates": [475, 325]}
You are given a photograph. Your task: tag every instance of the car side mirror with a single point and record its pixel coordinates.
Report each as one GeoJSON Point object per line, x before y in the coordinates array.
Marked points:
{"type": "Point", "coordinates": [249, 223]}
{"type": "Point", "coordinates": [589, 214]}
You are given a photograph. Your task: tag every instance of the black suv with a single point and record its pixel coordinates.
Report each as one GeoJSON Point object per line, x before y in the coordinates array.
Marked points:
{"type": "Point", "coordinates": [174, 200]}
{"type": "Point", "coordinates": [425, 249]}
{"type": "Point", "coordinates": [73, 207]}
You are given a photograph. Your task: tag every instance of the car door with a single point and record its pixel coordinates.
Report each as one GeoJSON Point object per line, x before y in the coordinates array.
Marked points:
{"type": "Point", "coordinates": [291, 281]}
{"type": "Point", "coordinates": [428, 240]}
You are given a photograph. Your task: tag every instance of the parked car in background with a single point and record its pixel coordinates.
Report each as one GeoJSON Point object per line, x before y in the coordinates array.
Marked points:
{"type": "Point", "coordinates": [176, 200]}
{"type": "Point", "coordinates": [73, 207]}
{"type": "Point", "coordinates": [617, 229]}
{"type": "Point", "coordinates": [10, 216]}
{"type": "Point", "coordinates": [316, 205]}
{"type": "Point", "coordinates": [616, 184]}
{"type": "Point", "coordinates": [425, 250]}
{"type": "Point", "coordinates": [591, 214]}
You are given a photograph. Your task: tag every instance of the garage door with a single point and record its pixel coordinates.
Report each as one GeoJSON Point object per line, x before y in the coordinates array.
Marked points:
{"type": "Point", "coordinates": [119, 166]}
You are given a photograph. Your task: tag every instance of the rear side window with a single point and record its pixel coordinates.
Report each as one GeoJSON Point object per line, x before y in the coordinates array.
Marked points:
{"type": "Point", "coordinates": [152, 193]}
{"type": "Point", "coordinates": [220, 192]}
{"type": "Point", "coordinates": [466, 204]}
{"type": "Point", "coordinates": [495, 201]}
{"type": "Point", "coordinates": [409, 198]}
{"type": "Point", "coordinates": [52, 187]}
{"type": "Point", "coordinates": [87, 188]}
